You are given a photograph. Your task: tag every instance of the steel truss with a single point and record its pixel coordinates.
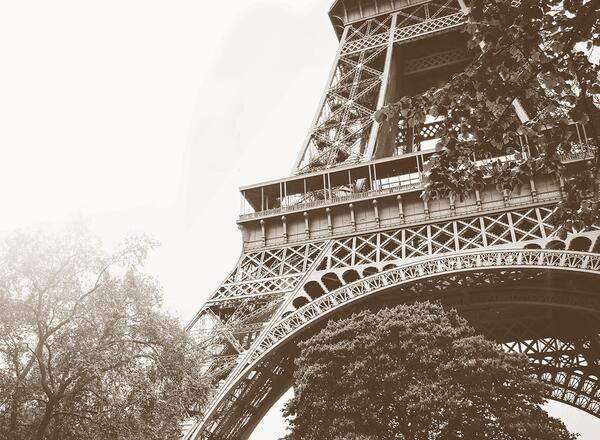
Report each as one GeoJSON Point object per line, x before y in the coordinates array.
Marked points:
{"type": "Point", "coordinates": [477, 261]}
{"type": "Point", "coordinates": [256, 310]}
{"type": "Point", "coordinates": [263, 279]}
{"type": "Point", "coordinates": [560, 364]}
{"type": "Point", "coordinates": [343, 130]}
{"type": "Point", "coordinates": [570, 365]}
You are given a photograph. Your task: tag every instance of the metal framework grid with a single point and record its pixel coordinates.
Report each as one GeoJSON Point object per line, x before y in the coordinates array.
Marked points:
{"type": "Point", "coordinates": [559, 364]}
{"type": "Point", "coordinates": [343, 130]}
{"type": "Point", "coordinates": [262, 292]}
{"type": "Point", "coordinates": [275, 294]}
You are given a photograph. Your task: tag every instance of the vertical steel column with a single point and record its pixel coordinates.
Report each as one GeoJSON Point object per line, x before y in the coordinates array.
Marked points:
{"type": "Point", "coordinates": [383, 89]}
{"type": "Point", "coordinates": [322, 102]}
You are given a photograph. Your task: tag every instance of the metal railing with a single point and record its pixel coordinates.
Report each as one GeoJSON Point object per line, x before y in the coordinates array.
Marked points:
{"type": "Point", "coordinates": [333, 200]}
{"type": "Point", "coordinates": [579, 152]}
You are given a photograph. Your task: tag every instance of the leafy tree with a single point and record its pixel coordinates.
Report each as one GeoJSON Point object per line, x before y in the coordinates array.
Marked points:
{"type": "Point", "coordinates": [531, 77]}
{"type": "Point", "coordinates": [85, 351]}
{"type": "Point", "coordinates": [414, 373]}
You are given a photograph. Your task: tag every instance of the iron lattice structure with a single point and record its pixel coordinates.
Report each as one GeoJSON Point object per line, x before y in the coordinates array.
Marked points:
{"type": "Point", "coordinates": [348, 230]}
{"type": "Point", "coordinates": [343, 130]}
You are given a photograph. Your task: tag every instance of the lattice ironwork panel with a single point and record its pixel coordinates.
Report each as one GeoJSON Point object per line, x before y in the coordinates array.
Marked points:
{"type": "Point", "coordinates": [575, 388]}
{"type": "Point", "coordinates": [257, 287]}
{"type": "Point", "coordinates": [435, 61]}
{"type": "Point", "coordinates": [344, 121]}
{"type": "Point", "coordinates": [273, 263]}
{"type": "Point", "coordinates": [369, 42]}
{"type": "Point", "coordinates": [411, 273]}
{"type": "Point", "coordinates": [368, 28]}
{"type": "Point", "coordinates": [445, 23]}
{"type": "Point", "coordinates": [269, 271]}
{"type": "Point", "coordinates": [572, 367]}
{"type": "Point", "coordinates": [555, 353]}
{"type": "Point", "coordinates": [413, 22]}
{"type": "Point", "coordinates": [450, 236]}
{"type": "Point", "coordinates": [367, 34]}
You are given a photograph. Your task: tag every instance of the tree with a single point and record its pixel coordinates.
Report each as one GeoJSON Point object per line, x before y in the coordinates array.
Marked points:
{"type": "Point", "coordinates": [85, 351]}
{"type": "Point", "coordinates": [414, 373]}
{"type": "Point", "coordinates": [531, 78]}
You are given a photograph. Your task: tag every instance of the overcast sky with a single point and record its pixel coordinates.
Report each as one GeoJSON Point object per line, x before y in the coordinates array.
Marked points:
{"type": "Point", "coordinates": [146, 116]}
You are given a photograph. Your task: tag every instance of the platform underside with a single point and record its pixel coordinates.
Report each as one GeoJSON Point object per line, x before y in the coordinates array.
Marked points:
{"type": "Point", "coordinates": [551, 316]}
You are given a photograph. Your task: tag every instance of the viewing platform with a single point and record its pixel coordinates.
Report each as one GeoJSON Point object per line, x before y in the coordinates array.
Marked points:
{"type": "Point", "coordinates": [373, 195]}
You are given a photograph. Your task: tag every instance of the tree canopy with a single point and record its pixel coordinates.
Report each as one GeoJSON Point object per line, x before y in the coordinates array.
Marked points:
{"type": "Point", "coordinates": [414, 372]}
{"type": "Point", "coordinates": [531, 78]}
{"type": "Point", "coordinates": [85, 350]}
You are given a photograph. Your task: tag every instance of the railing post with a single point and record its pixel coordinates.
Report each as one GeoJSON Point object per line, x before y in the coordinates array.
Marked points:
{"type": "Point", "coordinates": [400, 208]}
{"type": "Point", "coordinates": [478, 200]}
{"type": "Point", "coordinates": [533, 189]}
{"type": "Point", "coordinates": [306, 226]}
{"type": "Point", "coordinates": [284, 224]}
{"type": "Point", "coordinates": [264, 235]}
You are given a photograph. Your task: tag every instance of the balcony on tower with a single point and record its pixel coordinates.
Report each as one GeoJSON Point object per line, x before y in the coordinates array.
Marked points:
{"type": "Point", "coordinates": [386, 192]}
{"type": "Point", "coordinates": [363, 167]}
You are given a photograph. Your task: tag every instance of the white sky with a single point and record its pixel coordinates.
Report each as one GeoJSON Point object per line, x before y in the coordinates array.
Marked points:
{"type": "Point", "coordinates": [146, 116]}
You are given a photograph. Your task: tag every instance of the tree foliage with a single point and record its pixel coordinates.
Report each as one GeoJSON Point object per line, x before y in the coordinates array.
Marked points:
{"type": "Point", "coordinates": [85, 351]}
{"type": "Point", "coordinates": [414, 373]}
{"type": "Point", "coordinates": [532, 53]}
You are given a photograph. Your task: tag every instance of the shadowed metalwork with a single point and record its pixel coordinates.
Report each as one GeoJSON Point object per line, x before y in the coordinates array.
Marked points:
{"type": "Point", "coordinates": [348, 230]}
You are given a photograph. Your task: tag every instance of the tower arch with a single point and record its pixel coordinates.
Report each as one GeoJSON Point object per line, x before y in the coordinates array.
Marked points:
{"type": "Point", "coordinates": [556, 297]}
{"type": "Point", "coordinates": [348, 229]}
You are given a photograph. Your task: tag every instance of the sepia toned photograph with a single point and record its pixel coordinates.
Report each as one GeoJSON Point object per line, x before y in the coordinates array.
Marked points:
{"type": "Point", "coordinates": [300, 220]}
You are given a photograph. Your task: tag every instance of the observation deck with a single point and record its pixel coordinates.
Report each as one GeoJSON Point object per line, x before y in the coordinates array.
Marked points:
{"type": "Point", "coordinates": [344, 12]}
{"type": "Point", "coordinates": [380, 194]}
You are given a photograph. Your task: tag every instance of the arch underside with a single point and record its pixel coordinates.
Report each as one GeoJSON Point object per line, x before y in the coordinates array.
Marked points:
{"type": "Point", "coordinates": [553, 316]}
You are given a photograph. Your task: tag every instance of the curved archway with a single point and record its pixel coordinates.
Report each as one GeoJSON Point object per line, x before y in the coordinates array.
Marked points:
{"type": "Point", "coordinates": [596, 248]}
{"type": "Point", "coordinates": [463, 281]}
{"type": "Point", "coordinates": [350, 276]}
{"type": "Point", "coordinates": [314, 289]}
{"type": "Point", "coordinates": [370, 271]}
{"type": "Point", "coordinates": [331, 281]}
{"type": "Point", "coordinates": [555, 245]}
{"type": "Point", "coordinates": [580, 244]}
{"type": "Point", "coordinates": [299, 302]}
{"type": "Point", "coordinates": [433, 268]}
{"type": "Point", "coordinates": [532, 246]}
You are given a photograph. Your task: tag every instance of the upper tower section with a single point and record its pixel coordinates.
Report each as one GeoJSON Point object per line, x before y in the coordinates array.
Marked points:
{"type": "Point", "coordinates": [388, 49]}
{"type": "Point", "coordinates": [343, 12]}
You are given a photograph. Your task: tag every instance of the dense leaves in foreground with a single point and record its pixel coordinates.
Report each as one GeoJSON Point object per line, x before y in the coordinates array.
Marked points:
{"type": "Point", "coordinates": [414, 373]}
{"type": "Point", "coordinates": [536, 54]}
{"type": "Point", "coordinates": [85, 351]}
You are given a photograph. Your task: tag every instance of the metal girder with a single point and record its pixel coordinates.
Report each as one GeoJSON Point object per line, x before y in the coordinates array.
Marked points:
{"type": "Point", "coordinates": [343, 130]}
{"type": "Point", "coordinates": [477, 259]}
{"type": "Point", "coordinates": [245, 322]}
{"type": "Point", "coordinates": [477, 270]}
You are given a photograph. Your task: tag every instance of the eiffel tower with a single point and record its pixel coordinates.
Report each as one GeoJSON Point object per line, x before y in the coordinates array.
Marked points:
{"type": "Point", "coordinates": [348, 229]}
